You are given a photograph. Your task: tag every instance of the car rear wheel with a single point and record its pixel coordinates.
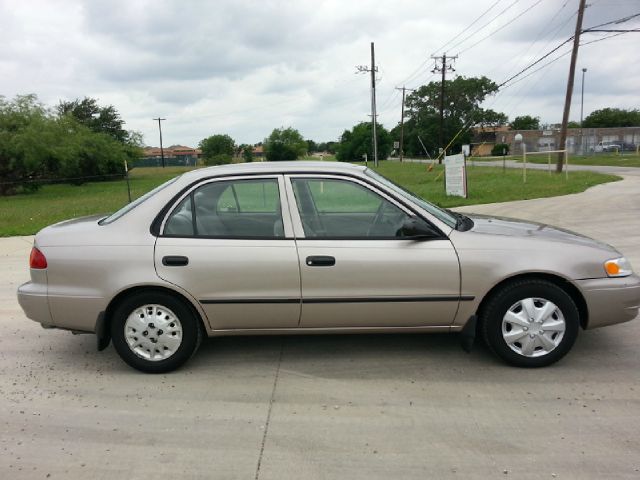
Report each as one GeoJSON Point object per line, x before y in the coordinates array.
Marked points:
{"type": "Point", "coordinates": [155, 332]}
{"type": "Point", "coordinates": [530, 323]}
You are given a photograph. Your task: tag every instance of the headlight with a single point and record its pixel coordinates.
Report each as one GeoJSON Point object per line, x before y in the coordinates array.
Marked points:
{"type": "Point", "coordinates": [618, 267]}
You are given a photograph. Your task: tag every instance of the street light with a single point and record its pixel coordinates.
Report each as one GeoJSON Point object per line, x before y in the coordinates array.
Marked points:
{"type": "Point", "coordinates": [584, 70]}
{"type": "Point", "coordinates": [519, 139]}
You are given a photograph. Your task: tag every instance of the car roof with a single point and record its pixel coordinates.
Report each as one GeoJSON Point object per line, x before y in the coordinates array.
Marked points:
{"type": "Point", "coordinates": [272, 167]}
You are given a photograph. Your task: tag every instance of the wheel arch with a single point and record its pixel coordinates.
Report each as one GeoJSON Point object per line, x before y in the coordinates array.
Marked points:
{"type": "Point", "coordinates": [557, 280]}
{"type": "Point", "coordinates": [105, 328]}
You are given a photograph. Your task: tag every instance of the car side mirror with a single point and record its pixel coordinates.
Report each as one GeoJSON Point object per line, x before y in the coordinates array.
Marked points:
{"type": "Point", "coordinates": [417, 228]}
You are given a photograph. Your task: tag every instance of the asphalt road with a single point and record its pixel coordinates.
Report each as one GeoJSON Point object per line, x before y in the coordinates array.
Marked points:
{"type": "Point", "coordinates": [323, 407]}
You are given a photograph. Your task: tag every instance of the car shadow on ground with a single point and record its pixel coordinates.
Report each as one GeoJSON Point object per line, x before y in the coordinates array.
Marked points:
{"type": "Point", "coordinates": [354, 357]}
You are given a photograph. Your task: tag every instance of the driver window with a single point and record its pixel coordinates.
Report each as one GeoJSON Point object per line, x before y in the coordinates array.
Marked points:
{"type": "Point", "coordinates": [344, 209]}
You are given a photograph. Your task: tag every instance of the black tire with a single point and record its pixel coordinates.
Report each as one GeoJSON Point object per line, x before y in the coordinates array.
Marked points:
{"type": "Point", "coordinates": [191, 333]}
{"type": "Point", "coordinates": [512, 293]}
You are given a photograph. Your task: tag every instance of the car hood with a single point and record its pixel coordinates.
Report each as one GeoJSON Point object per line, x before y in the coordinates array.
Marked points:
{"type": "Point", "coordinates": [510, 227]}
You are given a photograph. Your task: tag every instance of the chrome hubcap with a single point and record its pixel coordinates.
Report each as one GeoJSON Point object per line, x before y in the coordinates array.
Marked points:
{"type": "Point", "coordinates": [533, 327]}
{"type": "Point", "coordinates": [153, 332]}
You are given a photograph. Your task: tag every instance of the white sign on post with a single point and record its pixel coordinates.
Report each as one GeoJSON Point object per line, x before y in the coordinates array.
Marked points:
{"type": "Point", "coordinates": [455, 175]}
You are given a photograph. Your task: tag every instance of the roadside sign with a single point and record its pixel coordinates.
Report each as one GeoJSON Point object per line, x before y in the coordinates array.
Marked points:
{"type": "Point", "coordinates": [455, 175]}
{"type": "Point", "coordinates": [466, 150]}
{"type": "Point", "coordinates": [396, 145]}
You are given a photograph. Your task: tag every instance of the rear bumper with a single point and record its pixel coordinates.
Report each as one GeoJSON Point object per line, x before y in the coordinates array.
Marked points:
{"type": "Point", "coordinates": [32, 297]}
{"type": "Point", "coordinates": [611, 300]}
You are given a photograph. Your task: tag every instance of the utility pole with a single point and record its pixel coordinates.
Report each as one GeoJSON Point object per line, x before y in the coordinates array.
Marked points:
{"type": "Point", "coordinates": [404, 89]}
{"type": "Point", "coordinates": [374, 117]}
{"type": "Point", "coordinates": [572, 72]}
{"type": "Point", "coordinates": [443, 69]}
{"type": "Point", "coordinates": [160, 129]}
{"type": "Point", "coordinates": [584, 70]}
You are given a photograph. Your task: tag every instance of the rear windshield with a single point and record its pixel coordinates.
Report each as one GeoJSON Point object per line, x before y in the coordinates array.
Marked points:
{"type": "Point", "coordinates": [130, 206]}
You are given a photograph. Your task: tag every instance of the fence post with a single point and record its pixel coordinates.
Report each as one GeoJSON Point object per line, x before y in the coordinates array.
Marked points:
{"type": "Point", "coordinates": [524, 162]}
{"type": "Point", "coordinates": [126, 174]}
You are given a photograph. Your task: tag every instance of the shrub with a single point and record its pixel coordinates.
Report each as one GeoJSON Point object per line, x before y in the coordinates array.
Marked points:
{"type": "Point", "coordinates": [500, 149]}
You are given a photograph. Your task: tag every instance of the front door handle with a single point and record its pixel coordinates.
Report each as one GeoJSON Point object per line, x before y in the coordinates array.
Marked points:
{"type": "Point", "coordinates": [175, 261]}
{"type": "Point", "coordinates": [321, 261]}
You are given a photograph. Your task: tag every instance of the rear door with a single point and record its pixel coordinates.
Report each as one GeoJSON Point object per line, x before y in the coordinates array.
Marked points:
{"type": "Point", "coordinates": [356, 268]}
{"type": "Point", "coordinates": [228, 243]}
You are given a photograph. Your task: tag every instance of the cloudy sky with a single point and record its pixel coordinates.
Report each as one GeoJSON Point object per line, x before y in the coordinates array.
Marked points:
{"type": "Point", "coordinates": [245, 67]}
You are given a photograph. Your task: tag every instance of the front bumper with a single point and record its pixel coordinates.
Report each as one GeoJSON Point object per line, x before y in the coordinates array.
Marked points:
{"type": "Point", "coordinates": [32, 297]}
{"type": "Point", "coordinates": [611, 300]}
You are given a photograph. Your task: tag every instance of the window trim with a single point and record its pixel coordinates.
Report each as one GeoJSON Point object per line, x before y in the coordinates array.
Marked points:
{"type": "Point", "coordinates": [298, 227]}
{"type": "Point", "coordinates": [189, 191]}
{"type": "Point", "coordinates": [155, 228]}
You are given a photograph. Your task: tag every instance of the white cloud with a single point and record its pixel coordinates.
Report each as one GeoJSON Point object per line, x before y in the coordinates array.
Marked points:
{"type": "Point", "coordinates": [246, 67]}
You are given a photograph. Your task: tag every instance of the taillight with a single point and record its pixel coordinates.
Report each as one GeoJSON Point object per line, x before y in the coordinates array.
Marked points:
{"type": "Point", "coordinates": [37, 259]}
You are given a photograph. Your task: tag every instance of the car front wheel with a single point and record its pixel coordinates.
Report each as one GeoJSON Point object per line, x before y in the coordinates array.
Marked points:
{"type": "Point", "coordinates": [530, 323]}
{"type": "Point", "coordinates": [154, 332]}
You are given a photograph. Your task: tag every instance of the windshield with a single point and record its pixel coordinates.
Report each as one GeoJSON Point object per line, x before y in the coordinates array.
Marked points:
{"type": "Point", "coordinates": [130, 206]}
{"type": "Point", "coordinates": [437, 212]}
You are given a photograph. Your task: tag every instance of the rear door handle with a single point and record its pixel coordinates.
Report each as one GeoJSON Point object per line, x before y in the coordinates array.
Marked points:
{"type": "Point", "coordinates": [321, 261]}
{"type": "Point", "coordinates": [175, 261]}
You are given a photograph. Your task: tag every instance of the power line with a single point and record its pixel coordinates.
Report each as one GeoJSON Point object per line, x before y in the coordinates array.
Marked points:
{"type": "Point", "coordinates": [616, 22]}
{"type": "Point", "coordinates": [505, 10]}
{"type": "Point", "coordinates": [550, 52]}
{"type": "Point", "coordinates": [607, 37]}
{"type": "Point", "coordinates": [468, 26]}
{"type": "Point", "coordinates": [611, 30]}
{"type": "Point", "coordinates": [547, 29]}
{"type": "Point", "coordinates": [501, 27]}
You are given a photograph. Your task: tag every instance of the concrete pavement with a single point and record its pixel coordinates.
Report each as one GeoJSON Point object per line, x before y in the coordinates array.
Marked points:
{"type": "Point", "coordinates": [324, 407]}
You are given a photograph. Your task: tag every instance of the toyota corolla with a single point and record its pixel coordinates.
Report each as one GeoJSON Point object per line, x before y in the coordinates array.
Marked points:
{"type": "Point", "coordinates": [301, 248]}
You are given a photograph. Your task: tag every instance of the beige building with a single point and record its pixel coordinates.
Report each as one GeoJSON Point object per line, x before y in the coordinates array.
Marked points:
{"type": "Point", "coordinates": [578, 140]}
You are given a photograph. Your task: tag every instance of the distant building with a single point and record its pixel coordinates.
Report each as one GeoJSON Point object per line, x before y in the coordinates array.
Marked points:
{"type": "Point", "coordinates": [175, 155]}
{"type": "Point", "coordinates": [579, 140]}
{"type": "Point", "coordinates": [258, 151]}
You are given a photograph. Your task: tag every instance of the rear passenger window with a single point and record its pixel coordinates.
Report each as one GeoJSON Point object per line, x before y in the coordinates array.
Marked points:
{"type": "Point", "coordinates": [230, 209]}
{"type": "Point", "coordinates": [180, 222]}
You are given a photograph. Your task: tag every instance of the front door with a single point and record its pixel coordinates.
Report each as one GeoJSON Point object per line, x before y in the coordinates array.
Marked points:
{"type": "Point", "coordinates": [229, 245]}
{"type": "Point", "coordinates": [357, 270]}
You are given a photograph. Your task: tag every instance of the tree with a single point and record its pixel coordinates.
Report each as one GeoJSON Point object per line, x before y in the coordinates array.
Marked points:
{"type": "Point", "coordinates": [525, 122]}
{"type": "Point", "coordinates": [99, 119]}
{"type": "Point", "coordinates": [573, 124]}
{"type": "Point", "coordinates": [461, 111]}
{"type": "Point", "coordinates": [247, 153]}
{"type": "Point", "coordinates": [312, 146]}
{"type": "Point", "coordinates": [219, 146]}
{"type": "Point", "coordinates": [356, 142]}
{"type": "Point", "coordinates": [36, 144]}
{"type": "Point", "coordinates": [284, 144]}
{"type": "Point", "coordinates": [612, 117]}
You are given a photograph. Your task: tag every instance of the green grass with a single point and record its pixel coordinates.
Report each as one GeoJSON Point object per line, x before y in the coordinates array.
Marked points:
{"type": "Point", "coordinates": [489, 184]}
{"type": "Point", "coordinates": [27, 213]}
{"type": "Point", "coordinates": [611, 160]}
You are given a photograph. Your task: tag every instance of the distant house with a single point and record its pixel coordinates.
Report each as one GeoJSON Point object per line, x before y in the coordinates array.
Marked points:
{"type": "Point", "coordinates": [258, 151]}
{"type": "Point", "coordinates": [175, 155]}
